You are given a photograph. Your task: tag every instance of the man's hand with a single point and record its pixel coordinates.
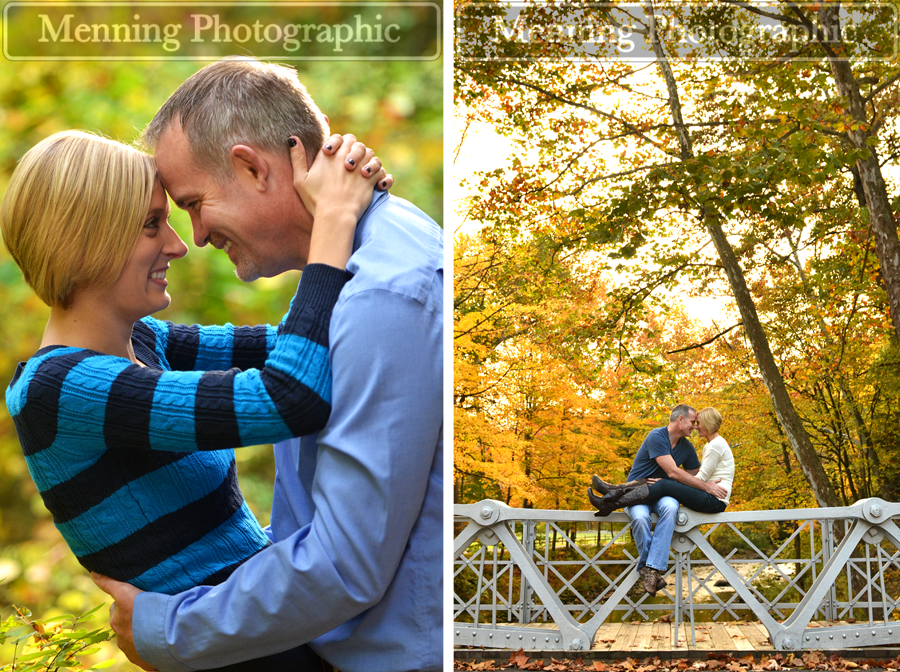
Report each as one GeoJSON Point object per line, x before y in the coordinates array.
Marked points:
{"type": "Point", "coordinates": [716, 490]}
{"type": "Point", "coordinates": [123, 595]}
{"type": "Point", "coordinates": [676, 473]}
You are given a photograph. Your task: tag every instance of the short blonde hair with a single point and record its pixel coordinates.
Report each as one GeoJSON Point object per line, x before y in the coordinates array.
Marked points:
{"type": "Point", "coordinates": [710, 419]}
{"type": "Point", "coordinates": [73, 211]}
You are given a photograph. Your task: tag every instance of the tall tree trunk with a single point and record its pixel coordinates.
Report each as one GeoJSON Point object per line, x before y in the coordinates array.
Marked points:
{"type": "Point", "coordinates": [787, 416]}
{"type": "Point", "coordinates": [790, 422]}
{"type": "Point", "coordinates": [881, 218]}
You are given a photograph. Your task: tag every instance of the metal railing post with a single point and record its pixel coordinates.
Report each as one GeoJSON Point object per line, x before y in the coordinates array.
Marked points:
{"type": "Point", "coordinates": [525, 592]}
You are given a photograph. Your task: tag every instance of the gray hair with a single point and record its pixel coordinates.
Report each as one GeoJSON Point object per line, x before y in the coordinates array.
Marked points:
{"type": "Point", "coordinates": [240, 101]}
{"type": "Point", "coordinates": [681, 410]}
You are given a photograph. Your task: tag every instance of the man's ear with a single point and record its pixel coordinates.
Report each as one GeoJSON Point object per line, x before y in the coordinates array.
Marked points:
{"type": "Point", "coordinates": [249, 166]}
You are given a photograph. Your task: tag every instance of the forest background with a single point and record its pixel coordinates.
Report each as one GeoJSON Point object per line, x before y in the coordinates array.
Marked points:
{"type": "Point", "coordinates": [676, 228]}
{"type": "Point", "coordinates": [395, 107]}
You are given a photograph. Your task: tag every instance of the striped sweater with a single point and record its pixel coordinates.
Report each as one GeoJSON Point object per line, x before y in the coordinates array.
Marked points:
{"type": "Point", "coordinates": [136, 463]}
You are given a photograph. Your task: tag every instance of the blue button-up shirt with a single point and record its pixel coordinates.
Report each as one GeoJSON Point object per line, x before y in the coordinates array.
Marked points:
{"type": "Point", "coordinates": [356, 569]}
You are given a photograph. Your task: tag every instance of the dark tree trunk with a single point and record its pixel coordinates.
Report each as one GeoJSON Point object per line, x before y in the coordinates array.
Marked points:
{"type": "Point", "coordinates": [787, 416]}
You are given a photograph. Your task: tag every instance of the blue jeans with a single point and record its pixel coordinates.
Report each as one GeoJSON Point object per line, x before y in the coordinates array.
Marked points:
{"type": "Point", "coordinates": [653, 547]}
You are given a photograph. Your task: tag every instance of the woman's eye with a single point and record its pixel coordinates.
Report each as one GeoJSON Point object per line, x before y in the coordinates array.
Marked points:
{"type": "Point", "coordinates": [152, 223]}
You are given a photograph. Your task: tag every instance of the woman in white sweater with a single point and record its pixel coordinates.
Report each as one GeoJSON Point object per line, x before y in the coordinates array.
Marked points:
{"type": "Point", "coordinates": [717, 465]}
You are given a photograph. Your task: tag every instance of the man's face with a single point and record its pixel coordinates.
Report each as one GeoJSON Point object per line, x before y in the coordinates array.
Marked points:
{"type": "Point", "coordinates": [688, 423]}
{"type": "Point", "coordinates": [261, 226]}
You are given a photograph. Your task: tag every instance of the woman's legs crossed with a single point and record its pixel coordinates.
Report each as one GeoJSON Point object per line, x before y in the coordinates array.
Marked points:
{"type": "Point", "coordinates": [693, 498]}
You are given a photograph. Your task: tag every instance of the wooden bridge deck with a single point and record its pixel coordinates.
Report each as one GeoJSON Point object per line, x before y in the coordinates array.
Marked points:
{"type": "Point", "coordinates": [651, 638]}
{"type": "Point", "coordinates": [644, 640]}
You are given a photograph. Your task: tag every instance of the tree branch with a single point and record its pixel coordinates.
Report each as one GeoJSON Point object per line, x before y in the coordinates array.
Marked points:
{"type": "Point", "coordinates": [881, 88]}
{"type": "Point", "coordinates": [706, 342]}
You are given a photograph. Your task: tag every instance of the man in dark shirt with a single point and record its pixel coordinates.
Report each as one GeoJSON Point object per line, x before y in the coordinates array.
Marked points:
{"type": "Point", "coordinates": [665, 453]}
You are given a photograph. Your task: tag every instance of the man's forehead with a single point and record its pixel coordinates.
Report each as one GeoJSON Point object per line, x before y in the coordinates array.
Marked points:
{"type": "Point", "coordinates": [174, 161]}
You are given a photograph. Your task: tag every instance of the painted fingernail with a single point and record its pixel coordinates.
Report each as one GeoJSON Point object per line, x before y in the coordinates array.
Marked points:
{"type": "Point", "coordinates": [369, 169]}
{"type": "Point", "coordinates": [384, 183]}
{"type": "Point", "coordinates": [352, 162]}
{"type": "Point", "coordinates": [292, 142]}
{"type": "Point", "coordinates": [328, 147]}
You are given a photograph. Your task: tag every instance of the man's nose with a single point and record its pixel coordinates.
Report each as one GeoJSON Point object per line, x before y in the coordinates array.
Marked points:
{"type": "Point", "coordinates": [201, 235]}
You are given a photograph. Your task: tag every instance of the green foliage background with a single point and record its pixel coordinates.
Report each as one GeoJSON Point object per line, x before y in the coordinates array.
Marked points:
{"type": "Point", "coordinates": [395, 107]}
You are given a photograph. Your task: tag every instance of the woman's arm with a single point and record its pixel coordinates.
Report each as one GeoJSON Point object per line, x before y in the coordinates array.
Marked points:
{"type": "Point", "coordinates": [335, 196]}
{"type": "Point", "coordinates": [192, 347]}
{"type": "Point", "coordinates": [709, 462]}
{"type": "Point", "coordinates": [93, 401]}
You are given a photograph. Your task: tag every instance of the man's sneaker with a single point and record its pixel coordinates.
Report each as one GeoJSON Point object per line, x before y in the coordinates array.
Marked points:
{"type": "Point", "coordinates": [649, 579]}
{"type": "Point", "coordinates": [660, 581]}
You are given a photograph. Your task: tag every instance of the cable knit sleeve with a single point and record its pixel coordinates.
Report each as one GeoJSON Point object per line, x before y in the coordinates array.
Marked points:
{"type": "Point", "coordinates": [85, 395]}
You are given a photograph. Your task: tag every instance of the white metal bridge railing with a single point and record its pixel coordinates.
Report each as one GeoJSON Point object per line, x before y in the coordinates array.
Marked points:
{"type": "Point", "coordinates": [518, 567]}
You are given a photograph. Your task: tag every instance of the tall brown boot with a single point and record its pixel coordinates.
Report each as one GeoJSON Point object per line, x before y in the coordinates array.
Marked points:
{"type": "Point", "coordinates": [605, 488]}
{"type": "Point", "coordinates": [639, 494]}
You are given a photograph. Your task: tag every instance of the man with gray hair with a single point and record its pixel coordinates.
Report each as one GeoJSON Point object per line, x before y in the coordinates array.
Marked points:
{"type": "Point", "coordinates": [665, 453]}
{"type": "Point", "coordinates": [355, 569]}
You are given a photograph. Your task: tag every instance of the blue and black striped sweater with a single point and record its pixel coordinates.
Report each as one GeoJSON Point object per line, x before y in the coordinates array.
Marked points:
{"type": "Point", "coordinates": [136, 463]}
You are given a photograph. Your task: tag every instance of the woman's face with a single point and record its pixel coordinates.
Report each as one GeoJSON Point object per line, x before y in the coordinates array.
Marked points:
{"type": "Point", "coordinates": [702, 431]}
{"type": "Point", "coordinates": [140, 289]}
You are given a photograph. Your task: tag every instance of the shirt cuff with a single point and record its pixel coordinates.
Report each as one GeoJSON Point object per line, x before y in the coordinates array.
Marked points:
{"type": "Point", "coordinates": [148, 627]}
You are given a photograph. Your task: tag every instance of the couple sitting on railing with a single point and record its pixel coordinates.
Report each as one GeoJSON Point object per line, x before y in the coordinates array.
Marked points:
{"type": "Point", "coordinates": [657, 484]}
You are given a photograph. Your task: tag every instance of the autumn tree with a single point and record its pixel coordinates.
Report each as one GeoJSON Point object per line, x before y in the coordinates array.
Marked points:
{"type": "Point", "coordinates": [643, 162]}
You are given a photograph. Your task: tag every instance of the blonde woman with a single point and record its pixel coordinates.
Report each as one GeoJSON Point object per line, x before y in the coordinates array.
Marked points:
{"type": "Point", "coordinates": [717, 465]}
{"type": "Point", "coordinates": [127, 422]}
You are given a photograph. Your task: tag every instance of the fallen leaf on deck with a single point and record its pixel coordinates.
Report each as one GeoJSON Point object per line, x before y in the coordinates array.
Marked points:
{"type": "Point", "coordinates": [812, 659]}
{"type": "Point", "coordinates": [519, 659]}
